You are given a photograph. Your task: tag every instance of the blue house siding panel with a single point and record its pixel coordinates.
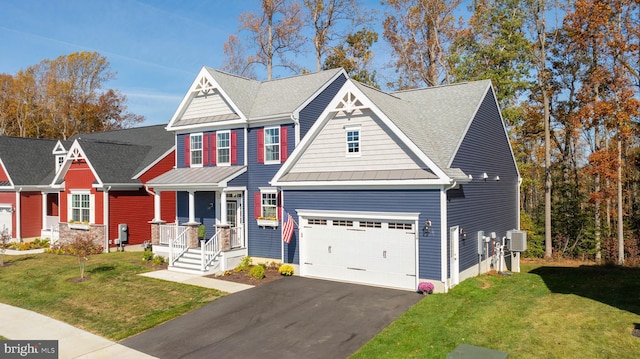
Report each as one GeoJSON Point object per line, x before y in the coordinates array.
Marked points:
{"type": "Point", "coordinates": [205, 204]}
{"type": "Point", "coordinates": [425, 202]}
{"type": "Point", "coordinates": [312, 111]}
{"type": "Point", "coordinates": [180, 151]}
{"type": "Point", "coordinates": [491, 205]}
{"type": "Point", "coordinates": [262, 242]}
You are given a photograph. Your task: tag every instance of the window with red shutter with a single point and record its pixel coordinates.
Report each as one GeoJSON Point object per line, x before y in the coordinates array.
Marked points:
{"type": "Point", "coordinates": [260, 141]}
{"type": "Point", "coordinates": [284, 144]}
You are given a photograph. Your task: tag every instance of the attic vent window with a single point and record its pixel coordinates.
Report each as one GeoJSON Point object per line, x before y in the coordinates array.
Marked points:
{"type": "Point", "coordinates": [350, 103]}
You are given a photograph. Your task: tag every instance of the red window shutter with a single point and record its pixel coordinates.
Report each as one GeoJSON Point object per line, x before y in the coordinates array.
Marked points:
{"type": "Point", "coordinates": [284, 141]}
{"type": "Point", "coordinates": [213, 142]}
{"type": "Point", "coordinates": [260, 145]}
{"type": "Point", "coordinates": [234, 148]}
{"type": "Point", "coordinates": [257, 204]}
{"type": "Point", "coordinates": [187, 153]}
{"type": "Point", "coordinates": [205, 150]}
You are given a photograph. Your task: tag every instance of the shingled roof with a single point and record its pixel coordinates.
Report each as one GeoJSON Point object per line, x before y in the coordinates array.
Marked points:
{"type": "Point", "coordinates": [28, 161]}
{"type": "Point", "coordinates": [118, 156]}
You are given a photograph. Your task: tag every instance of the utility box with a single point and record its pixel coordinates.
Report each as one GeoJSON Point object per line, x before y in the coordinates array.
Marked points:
{"type": "Point", "coordinates": [480, 242]}
{"type": "Point", "coordinates": [517, 240]}
{"type": "Point", "coordinates": [123, 233]}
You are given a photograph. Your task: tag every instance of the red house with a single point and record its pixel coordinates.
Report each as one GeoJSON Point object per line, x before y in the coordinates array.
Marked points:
{"type": "Point", "coordinates": [102, 184]}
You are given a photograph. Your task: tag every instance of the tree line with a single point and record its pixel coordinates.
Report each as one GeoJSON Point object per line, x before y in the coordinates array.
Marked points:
{"type": "Point", "coordinates": [62, 97]}
{"type": "Point", "coordinates": [566, 75]}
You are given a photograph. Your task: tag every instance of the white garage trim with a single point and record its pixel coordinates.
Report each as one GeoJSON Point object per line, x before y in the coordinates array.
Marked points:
{"type": "Point", "coordinates": [375, 248]}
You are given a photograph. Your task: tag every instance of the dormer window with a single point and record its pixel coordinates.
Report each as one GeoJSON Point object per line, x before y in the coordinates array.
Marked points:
{"type": "Point", "coordinates": [59, 162]}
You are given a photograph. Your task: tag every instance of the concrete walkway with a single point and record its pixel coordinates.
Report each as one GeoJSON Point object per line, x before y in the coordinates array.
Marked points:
{"type": "Point", "coordinates": [21, 324]}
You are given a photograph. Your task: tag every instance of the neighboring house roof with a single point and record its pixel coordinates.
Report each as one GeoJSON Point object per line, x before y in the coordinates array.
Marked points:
{"type": "Point", "coordinates": [120, 156]}
{"type": "Point", "coordinates": [254, 100]}
{"type": "Point", "coordinates": [28, 161]}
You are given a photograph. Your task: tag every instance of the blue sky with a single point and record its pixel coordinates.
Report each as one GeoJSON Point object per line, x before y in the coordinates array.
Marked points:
{"type": "Point", "coordinates": [156, 47]}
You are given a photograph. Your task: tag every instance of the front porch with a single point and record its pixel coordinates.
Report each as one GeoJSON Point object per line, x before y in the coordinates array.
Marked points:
{"type": "Point", "coordinates": [185, 252]}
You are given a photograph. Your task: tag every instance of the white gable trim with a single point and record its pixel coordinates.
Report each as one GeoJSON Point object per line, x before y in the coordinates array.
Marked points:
{"type": "Point", "coordinates": [59, 149]}
{"type": "Point", "coordinates": [75, 152]}
{"type": "Point", "coordinates": [4, 168]}
{"type": "Point", "coordinates": [204, 77]}
{"type": "Point", "coordinates": [332, 108]}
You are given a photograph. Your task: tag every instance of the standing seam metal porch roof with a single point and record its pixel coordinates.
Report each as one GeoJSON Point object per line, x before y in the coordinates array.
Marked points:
{"type": "Point", "coordinates": [204, 176]}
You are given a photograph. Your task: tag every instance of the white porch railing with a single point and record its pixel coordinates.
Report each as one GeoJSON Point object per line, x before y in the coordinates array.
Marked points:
{"type": "Point", "coordinates": [178, 246]}
{"type": "Point", "coordinates": [210, 249]}
{"type": "Point", "coordinates": [169, 232]}
{"type": "Point", "coordinates": [237, 237]}
{"type": "Point", "coordinates": [55, 234]}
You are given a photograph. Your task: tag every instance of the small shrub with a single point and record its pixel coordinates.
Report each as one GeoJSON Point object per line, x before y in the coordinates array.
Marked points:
{"type": "Point", "coordinates": [273, 265]}
{"type": "Point", "coordinates": [286, 270]}
{"type": "Point", "coordinates": [157, 260]}
{"type": "Point", "coordinates": [425, 288]}
{"type": "Point", "coordinates": [263, 265]}
{"type": "Point", "coordinates": [244, 265]}
{"type": "Point", "coordinates": [257, 272]}
{"type": "Point", "coordinates": [147, 256]}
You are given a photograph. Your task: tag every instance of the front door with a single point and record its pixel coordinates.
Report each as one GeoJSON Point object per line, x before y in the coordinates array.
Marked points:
{"type": "Point", "coordinates": [235, 220]}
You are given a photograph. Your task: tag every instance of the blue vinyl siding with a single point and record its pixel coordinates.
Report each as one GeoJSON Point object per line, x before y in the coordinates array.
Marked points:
{"type": "Point", "coordinates": [180, 150]}
{"type": "Point", "coordinates": [489, 206]}
{"type": "Point", "coordinates": [203, 213]}
{"type": "Point", "coordinates": [262, 242]}
{"type": "Point", "coordinates": [312, 111]}
{"type": "Point", "coordinates": [425, 202]}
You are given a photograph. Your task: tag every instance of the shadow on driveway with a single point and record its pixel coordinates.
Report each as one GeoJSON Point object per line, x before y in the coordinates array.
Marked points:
{"type": "Point", "coordinates": [289, 318]}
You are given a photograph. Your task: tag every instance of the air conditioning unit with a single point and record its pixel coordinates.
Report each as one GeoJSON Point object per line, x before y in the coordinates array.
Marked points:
{"type": "Point", "coordinates": [517, 240]}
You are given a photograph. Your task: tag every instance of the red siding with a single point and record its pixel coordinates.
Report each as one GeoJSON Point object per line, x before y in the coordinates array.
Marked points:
{"type": "Point", "coordinates": [167, 199]}
{"type": "Point", "coordinates": [168, 206]}
{"type": "Point", "coordinates": [10, 198]}
{"type": "Point", "coordinates": [31, 208]}
{"type": "Point", "coordinates": [135, 208]}
{"type": "Point", "coordinates": [164, 165]}
{"type": "Point", "coordinates": [80, 177]}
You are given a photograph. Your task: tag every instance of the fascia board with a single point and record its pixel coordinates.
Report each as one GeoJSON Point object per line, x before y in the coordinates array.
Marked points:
{"type": "Point", "coordinates": [144, 170]}
{"type": "Point", "coordinates": [296, 112]}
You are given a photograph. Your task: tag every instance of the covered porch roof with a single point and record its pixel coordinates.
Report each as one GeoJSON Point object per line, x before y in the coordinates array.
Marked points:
{"type": "Point", "coordinates": [184, 179]}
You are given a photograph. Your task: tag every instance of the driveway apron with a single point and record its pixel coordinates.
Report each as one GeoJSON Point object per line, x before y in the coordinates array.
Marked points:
{"type": "Point", "coordinates": [289, 318]}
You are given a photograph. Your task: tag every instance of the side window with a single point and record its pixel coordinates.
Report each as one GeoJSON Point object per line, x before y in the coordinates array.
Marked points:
{"type": "Point", "coordinates": [269, 205]}
{"type": "Point", "coordinates": [353, 141]}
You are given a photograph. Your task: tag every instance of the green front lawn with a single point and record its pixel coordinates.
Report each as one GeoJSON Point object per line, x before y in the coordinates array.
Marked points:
{"type": "Point", "coordinates": [114, 302]}
{"type": "Point", "coordinates": [544, 312]}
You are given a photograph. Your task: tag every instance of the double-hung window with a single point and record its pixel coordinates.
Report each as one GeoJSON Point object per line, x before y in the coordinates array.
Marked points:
{"type": "Point", "coordinates": [272, 144]}
{"type": "Point", "coordinates": [269, 205]}
{"type": "Point", "coordinates": [223, 147]}
{"type": "Point", "coordinates": [81, 207]}
{"type": "Point", "coordinates": [353, 141]}
{"type": "Point", "coordinates": [195, 149]}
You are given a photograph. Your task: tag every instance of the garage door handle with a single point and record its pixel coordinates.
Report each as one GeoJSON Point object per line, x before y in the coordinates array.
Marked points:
{"type": "Point", "coordinates": [329, 249]}
{"type": "Point", "coordinates": [384, 254]}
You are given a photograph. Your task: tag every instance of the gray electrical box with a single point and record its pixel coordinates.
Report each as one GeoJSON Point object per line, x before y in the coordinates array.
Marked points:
{"type": "Point", "coordinates": [480, 242]}
{"type": "Point", "coordinates": [517, 240]}
{"type": "Point", "coordinates": [123, 233]}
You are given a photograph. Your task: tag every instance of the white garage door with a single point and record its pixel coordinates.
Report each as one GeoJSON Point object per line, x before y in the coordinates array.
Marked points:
{"type": "Point", "coordinates": [364, 247]}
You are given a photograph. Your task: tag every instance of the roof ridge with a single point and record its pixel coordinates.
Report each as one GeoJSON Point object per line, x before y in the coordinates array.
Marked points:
{"type": "Point", "coordinates": [442, 86]}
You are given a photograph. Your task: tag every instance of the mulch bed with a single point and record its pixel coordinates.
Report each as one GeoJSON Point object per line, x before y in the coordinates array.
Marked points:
{"type": "Point", "coordinates": [270, 274]}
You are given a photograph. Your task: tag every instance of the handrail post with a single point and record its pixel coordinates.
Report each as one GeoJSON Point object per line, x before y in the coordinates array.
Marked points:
{"type": "Point", "coordinates": [203, 253]}
{"type": "Point", "coordinates": [171, 252]}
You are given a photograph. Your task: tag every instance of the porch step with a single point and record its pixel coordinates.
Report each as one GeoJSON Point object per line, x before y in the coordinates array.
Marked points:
{"type": "Point", "coordinates": [190, 261]}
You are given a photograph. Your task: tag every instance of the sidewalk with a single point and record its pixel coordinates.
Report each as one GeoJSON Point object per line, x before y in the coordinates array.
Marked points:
{"type": "Point", "coordinates": [22, 324]}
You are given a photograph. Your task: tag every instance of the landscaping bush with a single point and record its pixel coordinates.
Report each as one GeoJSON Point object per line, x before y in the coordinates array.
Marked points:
{"type": "Point", "coordinates": [245, 264]}
{"type": "Point", "coordinates": [157, 260]}
{"type": "Point", "coordinates": [257, 272]}
{"type": "Point", "coordinates": [286, 270]}
{"type": "Point", "coordinates": [147, 256]}
{"type": "Point", "coordinates": [35, 244]}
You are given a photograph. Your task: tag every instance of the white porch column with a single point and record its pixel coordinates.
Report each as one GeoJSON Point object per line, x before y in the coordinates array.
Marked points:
{"type": "Point", "coordinates": [192, 207]}
{"type": "Point", "coordinates": [105, 217]}
{"type": "Point", "coordinates": [156, 206]}
{"type": "Point", "coordinates": [223, 207]}
{"type": "Point", "coordinates": [44, 210]}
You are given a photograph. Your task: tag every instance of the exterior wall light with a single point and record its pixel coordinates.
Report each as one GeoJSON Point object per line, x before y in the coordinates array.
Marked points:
{"type": "Point", "coordinates": [427, 228]}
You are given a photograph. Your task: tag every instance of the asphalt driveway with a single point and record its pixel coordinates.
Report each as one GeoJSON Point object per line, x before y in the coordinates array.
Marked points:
{"type": "Point", "coordinates": [290, 318]}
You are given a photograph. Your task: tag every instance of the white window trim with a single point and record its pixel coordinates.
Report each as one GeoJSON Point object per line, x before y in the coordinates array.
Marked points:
{"type": "Point", "coordinates": [264, 142]}
{"type": "Point", "coordinates": [218, 163]}
{"type": "Point", "coordinates": [191, 136]}
{"type": "Point", "coordinates": [262, 205]}
{"type": "Point", "coordinates": [92, 207]}
{"type": "Point", "coordinates": [347, 129]}
{"type": "Point", "coordinates": [59, 162]}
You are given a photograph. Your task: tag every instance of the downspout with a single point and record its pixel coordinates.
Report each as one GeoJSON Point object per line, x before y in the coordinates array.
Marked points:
{"type": "Point", "coordinates": [296, 127]}
{"type": "Point", "coordinates": [153, 194]}
{"type": "Point", "coordinates": [18, 215]}
{"type": "Point", "coordinates": [105, 218]}
{"type": "Point", "coordinates": [444, 245]}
